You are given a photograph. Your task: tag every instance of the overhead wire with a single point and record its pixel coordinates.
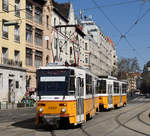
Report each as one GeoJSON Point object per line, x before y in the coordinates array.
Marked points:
{"type": "Point", "coordinates": [136, 22]}
{"type": "Point", "coordinates": [121, 35]}
{"type": "Point", "coordinates": [109, 5]}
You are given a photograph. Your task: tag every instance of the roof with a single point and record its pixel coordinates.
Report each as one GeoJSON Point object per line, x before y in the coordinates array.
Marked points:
{"type": "Point", "coordinates": [134, 74]}
{"type": "Point", "coordinates": [110, 41]}
{"type": "Point", "coordinates": [62, 8]}
{"type": "Point", "coordinates": [41, 2]}
{"type": "Point", "coordinates": [148, 64]}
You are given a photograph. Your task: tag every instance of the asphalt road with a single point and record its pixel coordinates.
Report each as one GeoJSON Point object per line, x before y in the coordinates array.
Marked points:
{"type": "Point", "coordinates": [131, 120]}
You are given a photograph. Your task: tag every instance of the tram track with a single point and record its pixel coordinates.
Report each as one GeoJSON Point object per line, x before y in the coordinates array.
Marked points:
{"type": "Point", "coordinates": [127, 127]}
{"type": "Point", "coordinates": [138, 117]}
{"type": "Point", "coordinates": [84, 129]}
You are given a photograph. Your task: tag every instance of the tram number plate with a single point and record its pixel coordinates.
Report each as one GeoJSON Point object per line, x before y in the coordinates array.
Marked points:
{"type": "Point", "coordinates": [52, 108]}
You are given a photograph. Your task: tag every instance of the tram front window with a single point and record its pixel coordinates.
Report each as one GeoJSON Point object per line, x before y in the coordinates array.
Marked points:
{"type": "Point", "coordinates": [53, 82]}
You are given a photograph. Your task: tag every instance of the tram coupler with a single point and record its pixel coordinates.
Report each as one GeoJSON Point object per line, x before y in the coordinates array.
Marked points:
{"type": "Point", "coordinates": [52, 121]}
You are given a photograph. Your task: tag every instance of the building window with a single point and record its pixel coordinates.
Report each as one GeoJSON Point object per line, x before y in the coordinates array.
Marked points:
{"type": "Point", "coordinates": [60, 27]}
{"type": "Point", "coordinates": [5, 5]}
{"type": "Point", "coordinates": [38, 59]}
{"type": "Point", "coordinates": [47, 59]}
{"type": "Point", "coordinates": [86, 46]}
{"type": "Point", "coordinates": [1, 80]}
{"type": "Point", "coordinates": [28, 56]}
{"type": "Point", "coordinates": [29, 33]}
{"type": "Point", "coordinates": [54, 21]}
{"type": "Point", "coordinates": [86, 59]}
{"type": "Point", "coordinates": [17, 33]}
{"type": "Point", "coordinates": [29, 9]}
{"type": "Point", "coordinates": [38, 36]}
{"type": "Point", "coordinates": [4, 55]}
{"type": "Point", "coordinates": [70, 51]}
{"type": "Point", "coordinates": [17, 84]}
{"type": "Point", "coordinates": [16, 55]}
{"type": "Point", "coordinates": [47, 44]}
{"type": "Point", "coordinates": [47, 21]}
{"type": "Point", "coordinates": [17, 8]}
{"type": "Point", "coordinates": [38, 15]}
{"type": "Point", "coordinates": [4, 29]}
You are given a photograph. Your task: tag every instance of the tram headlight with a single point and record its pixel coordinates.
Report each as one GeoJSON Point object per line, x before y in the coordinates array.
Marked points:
{"type": "Point", "coordinates": [41, 110]}
{"type": "Point", "coordinates": [63, 110]}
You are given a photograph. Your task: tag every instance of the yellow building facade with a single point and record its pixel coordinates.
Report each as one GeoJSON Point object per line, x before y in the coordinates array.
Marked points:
{"type": "Point", "coordinates": [12, 52]}
{"type": "Point", "coordinates": [38, 37]}
{"type": "Point", "coordinates": [12, 38]}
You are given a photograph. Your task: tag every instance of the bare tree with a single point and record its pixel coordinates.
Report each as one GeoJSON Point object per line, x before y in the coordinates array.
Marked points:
{"type": "Point", "coordinates": [127, 65]}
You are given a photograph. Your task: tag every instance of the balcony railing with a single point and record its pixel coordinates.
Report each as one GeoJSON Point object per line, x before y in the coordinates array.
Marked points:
{"type": "Point", "coordinates": [5, 34]}
{"type": "Point", "coordinates": [38, 19]}
{"type": "Point", "coordinates": [29, 15]}
{"type": "Point", "coordinates": [11, 62]}
{"type": "Point", "coordinates": [17, 12]}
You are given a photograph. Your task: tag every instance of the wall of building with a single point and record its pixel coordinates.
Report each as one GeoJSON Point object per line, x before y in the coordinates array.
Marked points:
{"type": "Point", "coordinates": [12, 84]}
{"type": "Point", "coordinates": [101, 51]}
{"type": "Point", "coordinates": [10, 43]}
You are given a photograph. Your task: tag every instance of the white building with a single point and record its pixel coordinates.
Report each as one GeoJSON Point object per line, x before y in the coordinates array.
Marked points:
{"type": "Point", "coordinates": [100, 53]}
{"type": "Point", "coordinates": [12, 84]}
{"type": "Point", "coordinates": [67, 38]}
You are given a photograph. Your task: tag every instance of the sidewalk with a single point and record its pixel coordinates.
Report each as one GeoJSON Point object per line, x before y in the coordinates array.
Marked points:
{"type": "Point", "coordinates": [14, 106]}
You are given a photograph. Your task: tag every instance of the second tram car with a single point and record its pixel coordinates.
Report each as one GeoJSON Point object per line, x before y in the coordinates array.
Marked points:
{"type": "Point", "coordinates": [65, 93]}
{"type": "Point", "coordinates": [123, 85]}
{"type": "Point", "coordinates": [111, 92]}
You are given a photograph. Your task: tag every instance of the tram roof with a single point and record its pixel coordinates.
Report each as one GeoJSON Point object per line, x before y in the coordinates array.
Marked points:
{"type": "Point", "coordinates": [108, 77]}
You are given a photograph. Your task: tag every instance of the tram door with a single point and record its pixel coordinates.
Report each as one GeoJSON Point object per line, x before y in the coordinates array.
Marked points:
{"type": "Point", "coordinates": [120, 92]}
{"type": "Point", "coordinates": [109, 94]}
{"type": "Point", "coordinates": [80, 100]}
{"type": "Point", "coordinates": [93, 92]}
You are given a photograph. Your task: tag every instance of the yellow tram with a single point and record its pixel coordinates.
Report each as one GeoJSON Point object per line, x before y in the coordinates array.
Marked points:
{"type": "Point", "coordinates": [65, 93]}
{"type": "Point", "coordinates": [111, 92]}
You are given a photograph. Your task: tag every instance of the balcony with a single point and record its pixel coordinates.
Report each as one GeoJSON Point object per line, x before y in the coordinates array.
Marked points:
{"type": "Point", "coordinates": [29, 15]}
{"type": "Point", "coordinates": [11, 62]}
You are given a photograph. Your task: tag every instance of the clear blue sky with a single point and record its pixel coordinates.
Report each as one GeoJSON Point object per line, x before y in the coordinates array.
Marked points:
{"type": "Point", "coordinates": [123, 14]}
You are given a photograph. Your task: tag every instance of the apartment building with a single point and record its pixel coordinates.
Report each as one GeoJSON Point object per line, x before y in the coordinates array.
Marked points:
{"type": "Point", "coordinates": [12, 51]}
{"type": "Point", "coordinates": [99, 51]}
{"type": "Point", "coordinates": [38, 36]}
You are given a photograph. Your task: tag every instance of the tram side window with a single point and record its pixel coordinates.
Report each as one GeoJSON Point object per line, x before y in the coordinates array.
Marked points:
{"type": "Point", "coordinates": [102, 87]}
{"type": "Point", "coordinates": [71, 88]}
{"type": "Point", "coordinates": [88, 84]}
{"type": "Point", "coordinates": [96, 87]}
{"type": "Point", "coordinates": [116, 87]}
{"type": "Point", "coordinates": [124, 88]}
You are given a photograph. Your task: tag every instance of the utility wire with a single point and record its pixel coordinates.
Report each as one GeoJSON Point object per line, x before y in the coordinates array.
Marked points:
{"type": "Point", "coordinates": [122, 35]}
{"type": "Point", "coordinates": [109, 5]}
{"type": "Point", "coordinates": [133, 49]}
{"type": "Point", "coordinates": [136, 22]}
{"type": "Point", "coordinates": [100, 9]}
